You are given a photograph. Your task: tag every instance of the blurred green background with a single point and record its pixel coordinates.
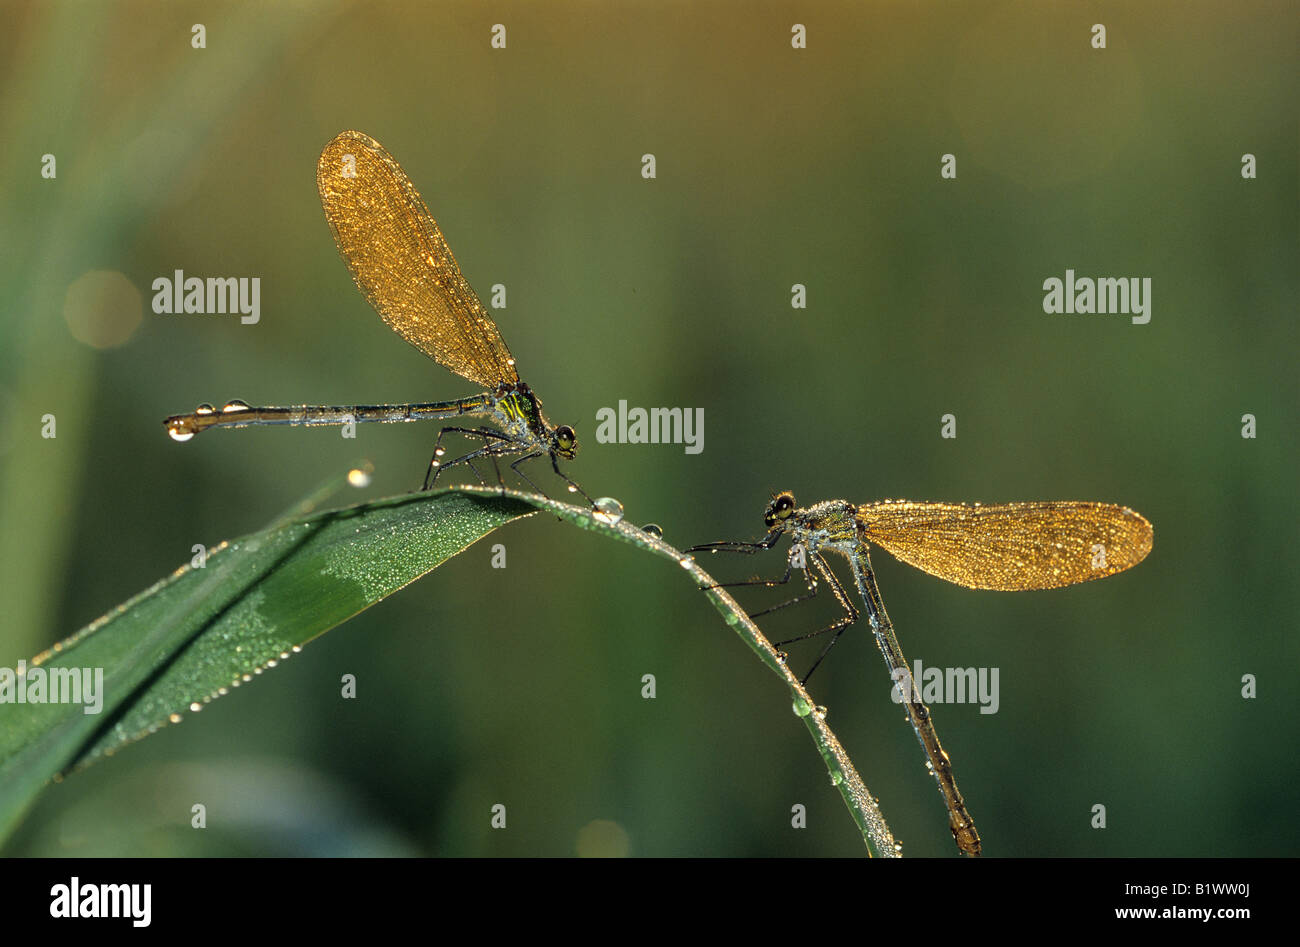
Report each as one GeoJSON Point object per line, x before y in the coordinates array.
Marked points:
{"type": "Point", "coordinates": [775, 166]}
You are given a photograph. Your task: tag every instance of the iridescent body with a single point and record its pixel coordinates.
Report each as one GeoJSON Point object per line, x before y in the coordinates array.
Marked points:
{"type": "Point", "coordinates": [1012, 546]}
{"type": "Point", "coordinates": [401, 263]}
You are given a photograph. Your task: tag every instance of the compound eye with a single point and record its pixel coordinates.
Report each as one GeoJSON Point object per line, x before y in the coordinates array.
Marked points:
{"type": "Point", "coordinates": [779, 509]}
{"type": "Point", "coordinates": [565, 437]}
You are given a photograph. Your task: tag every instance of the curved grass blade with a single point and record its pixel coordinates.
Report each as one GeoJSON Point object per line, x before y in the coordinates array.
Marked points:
{"type": "Point", "coordinates": [200, 631]}
{"type": "Point", "coordinates": [862, 806]}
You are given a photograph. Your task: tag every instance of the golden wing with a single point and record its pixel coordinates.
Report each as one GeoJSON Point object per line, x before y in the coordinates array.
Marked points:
{"type": "Point", "coordinates": [401, 263]}
{"type": "Point", "coordinates": [1010, 546]}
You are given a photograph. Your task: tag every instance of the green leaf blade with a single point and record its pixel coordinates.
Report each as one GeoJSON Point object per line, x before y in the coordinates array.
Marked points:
{"type": "Point", "coordinates": [197, 633]}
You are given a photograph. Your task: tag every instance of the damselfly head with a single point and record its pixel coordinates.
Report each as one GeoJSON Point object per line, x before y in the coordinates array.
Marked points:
{"type": "Point", "coordinates": [779, 509]}
{"type": "Point", "coordinates": [564, 441]}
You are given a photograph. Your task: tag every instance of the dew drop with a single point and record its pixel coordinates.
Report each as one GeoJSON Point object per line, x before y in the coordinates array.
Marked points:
{"type": "Point", "coordinates": [358, 478]}
{"type": "Point", "coordinates": [195, 707]}
{"type": "Point", "coordinates": [180, 431]}
{"type": "Point", "coordinates": [205, 408]}
{"type": "Point", "coordinates": [653, 529]}
{"type": "Point", "coordinates": [801, 707]}
{"type": "Point", "coordinates": [608, 510]}
{"type": "Point", "coordinates": [174, 718]}
{"type": "Point", "coordinates": [233, 407]}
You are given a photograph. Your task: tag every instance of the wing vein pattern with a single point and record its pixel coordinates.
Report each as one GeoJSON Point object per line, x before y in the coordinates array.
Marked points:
{"type": "Point", "coordinates": [1010, 546]}
{"type": "Point", "coordinates": [401, 263]}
